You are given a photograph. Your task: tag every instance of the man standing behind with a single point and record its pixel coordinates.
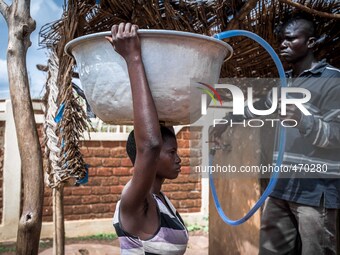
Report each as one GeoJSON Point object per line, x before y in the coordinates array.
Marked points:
{"type": "Point", "coordinates": [300, 215]}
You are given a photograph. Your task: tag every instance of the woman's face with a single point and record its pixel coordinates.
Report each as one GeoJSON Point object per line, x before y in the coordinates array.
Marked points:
{"type": "Point", "coordinates": [169, 162]}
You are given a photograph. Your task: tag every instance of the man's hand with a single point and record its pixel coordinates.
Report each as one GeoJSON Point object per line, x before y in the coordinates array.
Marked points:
{"type": "Point", "coordinates": [217, 131]}
{"type": "Point", "coordinates": [125, 41]}
{"type": "Point", "coordinates": [292, 112]}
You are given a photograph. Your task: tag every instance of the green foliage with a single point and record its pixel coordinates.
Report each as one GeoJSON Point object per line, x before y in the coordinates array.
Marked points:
{"type": "Point", "coordinates": [196, 227]}
{"type": "Point", "coordinates": [4, 249]}
{"type": "Point", "coordinates": [206, 229]}
{"type": "Point", "coordinates": [98, 237]}
{"type": "Point", "coordinates": [45, 243]}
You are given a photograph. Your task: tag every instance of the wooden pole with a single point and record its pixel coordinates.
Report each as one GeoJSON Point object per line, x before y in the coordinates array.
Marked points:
{"type": "Point", "coordinates": [20, 26]}
{"type": "Point", "coordinates": [58, 219]}
{"type": "Point", "coordinates": [245, 10]}
{"type": "Point", "coordinates": [311, 10]}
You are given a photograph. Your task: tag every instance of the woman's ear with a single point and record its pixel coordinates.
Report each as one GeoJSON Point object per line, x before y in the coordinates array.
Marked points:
{"type": "Point", "coordinates": [311, 42]}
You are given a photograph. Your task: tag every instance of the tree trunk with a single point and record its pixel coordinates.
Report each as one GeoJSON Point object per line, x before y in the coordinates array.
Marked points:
{"type": "Point", "coordinates": [20, 26]}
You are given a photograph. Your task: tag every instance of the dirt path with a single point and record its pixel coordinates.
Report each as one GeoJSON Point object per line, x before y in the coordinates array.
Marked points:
{"type": "Point", "coordinates": [198, 245]}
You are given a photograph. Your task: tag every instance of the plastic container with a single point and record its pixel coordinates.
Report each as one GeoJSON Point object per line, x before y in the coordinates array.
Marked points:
{"type": "Point", "coordinates": [174, 61]}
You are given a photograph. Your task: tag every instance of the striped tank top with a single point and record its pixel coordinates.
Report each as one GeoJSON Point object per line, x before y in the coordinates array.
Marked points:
{"type": "Point", "coordinates": [170, 239]}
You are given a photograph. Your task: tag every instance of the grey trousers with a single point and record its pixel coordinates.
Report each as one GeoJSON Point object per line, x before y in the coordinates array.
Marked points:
{"type": "Point", "coordinates": [291, 228]}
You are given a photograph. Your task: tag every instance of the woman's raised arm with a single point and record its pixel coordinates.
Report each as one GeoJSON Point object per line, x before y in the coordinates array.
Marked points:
{"type": "Point", "coordinates": [147, 133]}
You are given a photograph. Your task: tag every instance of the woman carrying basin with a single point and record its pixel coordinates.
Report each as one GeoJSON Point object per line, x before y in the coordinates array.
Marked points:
{"type": "Point", "coordinates": [145, 220]}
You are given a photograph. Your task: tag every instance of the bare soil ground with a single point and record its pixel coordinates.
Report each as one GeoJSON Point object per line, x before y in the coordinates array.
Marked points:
{"type": "Point", "coordinates": [198, 245]}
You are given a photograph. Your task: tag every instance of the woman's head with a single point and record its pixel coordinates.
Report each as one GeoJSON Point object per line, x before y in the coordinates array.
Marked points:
{"type": "Point", "coordinates": [168, 166]}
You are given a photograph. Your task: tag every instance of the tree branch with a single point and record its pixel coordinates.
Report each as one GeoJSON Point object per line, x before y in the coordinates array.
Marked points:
{"type": "Point", "coordinates": [310, 10]}
{"type": "Point", "coordinates": [246, 8]}
{"type": "Point", "coordinates": [4, 9]}
{"type": "Point", "coordinates": [23, 6]}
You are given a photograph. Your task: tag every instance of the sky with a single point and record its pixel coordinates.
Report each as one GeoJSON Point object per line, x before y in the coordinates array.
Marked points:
{"type": "Point", "coordinates": [42, 11]}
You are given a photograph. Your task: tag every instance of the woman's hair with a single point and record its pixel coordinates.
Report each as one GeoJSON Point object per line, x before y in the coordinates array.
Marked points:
{"type": "Point", "coordinates": [131, 142]}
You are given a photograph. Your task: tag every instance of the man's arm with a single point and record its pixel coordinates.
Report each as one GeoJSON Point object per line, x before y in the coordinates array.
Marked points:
{"type": "Point", "coordinates": [322, 131]}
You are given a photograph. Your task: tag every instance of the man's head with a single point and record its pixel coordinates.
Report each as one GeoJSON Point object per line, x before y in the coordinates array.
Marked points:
{"type": "Point", "coordinates": [168, 166]}
{"type": "Point", "coordinates": [297, 39]}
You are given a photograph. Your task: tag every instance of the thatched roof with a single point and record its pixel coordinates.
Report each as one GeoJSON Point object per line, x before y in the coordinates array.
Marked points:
{"type": "Point", "coordinates": [207, 17]}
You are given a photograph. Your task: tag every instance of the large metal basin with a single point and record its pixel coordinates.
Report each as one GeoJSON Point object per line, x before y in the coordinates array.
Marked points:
{"type": "Point", "coordinates": [173, 62]}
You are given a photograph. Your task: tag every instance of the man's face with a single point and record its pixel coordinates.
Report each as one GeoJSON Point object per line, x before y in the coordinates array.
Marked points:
{"type": "Point", "coordinates": [294, 42]}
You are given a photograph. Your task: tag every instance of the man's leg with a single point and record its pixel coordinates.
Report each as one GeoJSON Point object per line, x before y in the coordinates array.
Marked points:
{"type": "Point", "coordinates": [317, 229]}
{"type": "Point", "coordinates": [278, 233]}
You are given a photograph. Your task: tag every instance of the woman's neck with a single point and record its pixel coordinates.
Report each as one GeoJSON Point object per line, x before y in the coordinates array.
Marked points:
{"type": "Point", "coordinates": [157, 185]}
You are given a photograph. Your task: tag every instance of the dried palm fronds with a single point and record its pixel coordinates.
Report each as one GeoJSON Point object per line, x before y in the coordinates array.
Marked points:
{"type": "Point", "coordinates": [72, 124]}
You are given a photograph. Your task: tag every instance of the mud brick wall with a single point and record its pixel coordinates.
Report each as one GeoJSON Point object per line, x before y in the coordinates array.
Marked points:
{"type": "Point", "coordinates": [110, 171]}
